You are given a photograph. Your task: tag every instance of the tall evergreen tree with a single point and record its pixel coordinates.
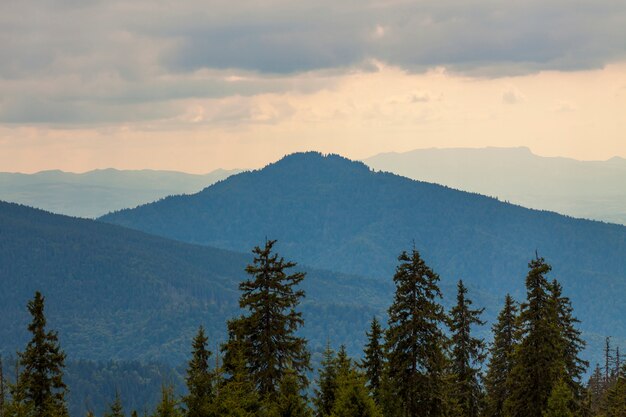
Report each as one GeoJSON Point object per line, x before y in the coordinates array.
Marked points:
{"type": "Point", "coordinates": [467, 354]}
{"type": "Point", "coordinates": [415, 341]}
{"type": "Point", "coordinates": [41, 379]}
{"type": "Point", "coordinates": [374, 358]}
{"type": "Point", "coordinates": [595, 391]}
{"type": "Point", "coordinates": [505, 332]}
{"type": "Point", "coordinates": [199, 378]}
{"type": "Point", "coordinates": [326, 390]}
{"type": "Point", "coordinates": [572, 343]}
{"type": "Point", "coordinates": [560, 401]}
{"type": "Point", "coordinates": [168, 406]}
{"type": "Point", "coordinates": [268, 331]}
{"type": "Point", "coordinates": [538, 359]}
{"type": "Point", "coordinates": [289, 402]}
{"type": "Point", "coordinates": [616, 396]}
{"type": "Point", "coordinates": [115, 408]}
{"type": "Point", "coordinates": [353, 397]}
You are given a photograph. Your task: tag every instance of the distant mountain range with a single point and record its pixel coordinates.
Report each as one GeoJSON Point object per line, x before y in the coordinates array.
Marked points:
{"type": "Point", "coordinates": [586, 189]}
{"type": "Point", "coordinates": [115, 293]}
{"type": "Point", "coordinates": [94, 193]}
{"type": "Point", "coordinates": [336, 214]}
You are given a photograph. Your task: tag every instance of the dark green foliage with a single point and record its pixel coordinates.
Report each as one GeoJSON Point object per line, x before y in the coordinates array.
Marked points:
{"type": "Point", "coordinates": [168, 406]}
{"type": "Point", "coordinates": [337, 214]}
{"type": "Point", "coordinates": [560, 401]}
{"type": "Point", "coordinates": [353, 396]}
{"type": "Point", "coordinates": [327, 384]}
{"type": "Point", "coordinates": [616, 396]}
{"type": "Point", "coordinates": [268, 330]}
{"type": "Point", "coordinates": [538, 359]}
{"type": "Point", "coordinates": [415, 341]}
{"type": "Point", "coordinates": [42, 363]}
{"type": "Point", "coordinates": [115, 408]}
{"type": "Point", "coordinates": [467, 354]}
{"type": "Point", "coordinates": [572, 343]}
{"type": "Point", "coordinates": [505, 333]}
{"type": "Point", "coordinates": [373, 361]}
{"type": "Point", "coordinates": [236, 395]}
{"type": "Point", "coordinates": [199, 378]}
{"type": "Point", "coordinates": [289, 401]}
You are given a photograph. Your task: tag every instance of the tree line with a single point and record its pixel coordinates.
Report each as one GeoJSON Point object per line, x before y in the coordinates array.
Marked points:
{"type": "Point", "coordinates": [426, 361]}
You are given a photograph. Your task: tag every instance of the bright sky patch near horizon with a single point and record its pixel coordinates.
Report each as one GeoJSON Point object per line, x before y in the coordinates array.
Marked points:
{"type": "Point", "coordinates": [193, 86]}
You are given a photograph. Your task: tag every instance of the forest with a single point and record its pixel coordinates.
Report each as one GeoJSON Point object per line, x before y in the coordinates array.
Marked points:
{"type": "Point", "coordinates": [424, 361]}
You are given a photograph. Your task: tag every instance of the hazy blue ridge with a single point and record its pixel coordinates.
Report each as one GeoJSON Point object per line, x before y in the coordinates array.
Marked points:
{"type": "Point", "coordinates": [587, 189]}
{"type": "Point", "coordinates": [94, 193]}
{"type": "Point", "coordinates": [336, 214]}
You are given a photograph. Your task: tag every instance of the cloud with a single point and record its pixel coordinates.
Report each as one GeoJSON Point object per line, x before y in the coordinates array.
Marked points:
{"type": "Point", "coordinates": [97, 61]}
{"type": "Point", "coordinates": [512, 96]}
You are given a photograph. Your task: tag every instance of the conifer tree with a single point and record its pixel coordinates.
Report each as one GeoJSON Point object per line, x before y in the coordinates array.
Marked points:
{"type": "Point", "coordinates": [325, 392]}
{"type": "Point", "coordinates": [572, 343]}
{"type": "Point", "coordinates": [199, 378]}
{"type": "Point", "coordinates": [505, 332]}
{"type": "Point", "coordinates": [374, 359]}
{"type": "Point", "coordinates": [467, 354]}
{"type": "Point", "coordinates": [415, 341]}
{"type": "Point", "coordinates": [236, 395]}
{"type": "Point", "coordinates": [289, 402]}
{"type": "Point", "coordinates": [268, 331]}
{"type": "Point", "coordinates": [616, 396]}
{"type": "Point", "coordinates": [168, 406]}
{"type": "Point", "coordinates": [595, 391]}
{"type": "Point", "coordinates": [115, 408]}
{"type": "Point", "coordinates": [560, 401]}
{"type": "Point", "coordinates": [538, 360]}
{"type": "Point", "coordinates": [353, 397]}
{"type": "Point", "coordinates": [41, 380]}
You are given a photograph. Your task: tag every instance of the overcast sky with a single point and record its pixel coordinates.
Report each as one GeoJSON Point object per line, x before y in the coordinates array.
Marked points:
{"type": "Point", "coordinates": [197, 85]}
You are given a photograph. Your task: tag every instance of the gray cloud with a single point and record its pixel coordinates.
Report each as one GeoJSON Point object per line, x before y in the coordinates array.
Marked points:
{"type": "Point", "coordinates": [71, 60]}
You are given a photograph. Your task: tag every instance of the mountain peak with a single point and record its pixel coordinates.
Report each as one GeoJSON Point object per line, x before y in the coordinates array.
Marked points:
{"type": "Point", "coordinates": [317, 161]}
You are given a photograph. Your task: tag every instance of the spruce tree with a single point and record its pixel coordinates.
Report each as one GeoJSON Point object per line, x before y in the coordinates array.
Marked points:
{"type": "Point", "coordinates": [595, 391]}
{"type": "Point", "coordinates": [374, 358]}
{"type": "Point", "coordinates": [572, 343]}
{"type": "Point", "coordinates": [41, 380]}
{"type": "Point", "coordinates": [415, 341]}
{"type": "Point", "coordinates": [115, 408]}
{"type": "Point", "coordinates": [538, 360]}
{"type": "Point", "coordinates": [168, 406]}
{"type": "Point", "coordinates": [353, 397]}
{"type": "Point", "coordinates": [289, 402]}
{"type": "Point", "coordinates": [325, 392]}
{"type": "Point", "coordinates": [268, 330]}
{"type": "Point", "coordinates": [467, 354]}
{"type": "Point", "coordinates": [199, 378]}
{"type": "Point", "coordinates": [560, 401]}
{"type": "Point", "coordinates": [616, 396]}
{"type": "Point", "coordinates": [505, 332]}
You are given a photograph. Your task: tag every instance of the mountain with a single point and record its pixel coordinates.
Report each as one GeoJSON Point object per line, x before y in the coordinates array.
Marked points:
{"type": "Point", "coordinates": [94, 193]}
{"type": "Point", "coordinates": [119, 294]}
{"type": "Point", "coordinates": [587, 189]}
{"type": "Point", "coordinates": [333, 213]}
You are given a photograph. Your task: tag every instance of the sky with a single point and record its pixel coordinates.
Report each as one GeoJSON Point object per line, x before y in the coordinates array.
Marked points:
{"type": "Point", "coordinates": [198, 85]}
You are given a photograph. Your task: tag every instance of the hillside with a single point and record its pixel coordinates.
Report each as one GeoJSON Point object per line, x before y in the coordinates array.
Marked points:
{"type": "Point", "coordinates": [115, 293]}
{"type": "Point", "coordinates": [587, 189]}
{"type": "Point", "coordinates": [333, 213]}
{"type": "Point", "coordinates": [94, 193]}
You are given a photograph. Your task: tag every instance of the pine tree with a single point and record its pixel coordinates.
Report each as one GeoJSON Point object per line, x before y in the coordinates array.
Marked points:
{"type": "Point", "coordinates": [236, 395]}
{"type": "Point", "coordinates": [572, 343]}
{"type": "Point", "coordinates": [505, 332]}
{"type": "Point", "coordinates": [41, 379]}
{"type": "Point", "coordinates": [199, 378]}
{"type": "Point", "coordinates": [168, 406]}
{"type": "Point", "coordinates": [560, 401]}
{"type": "Point", "coordinates": [415, 341]}
{"type": "Point", "coordinates": [115, 408]}
{"type": "Point", "coordinates": [538, 359]}
{"type": "Point", "coordinates": [374, 359]}
{"type": "Point", "coordinates": [268, 330]}
{"type": "Point", "coordinates": [289, 402]}
{"type": "Point", "coordinates": [326, 390]}
{"type": "Point", "coordinates": [353, 397]}
{"type": "Point", "coordinates": [467, 354]}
